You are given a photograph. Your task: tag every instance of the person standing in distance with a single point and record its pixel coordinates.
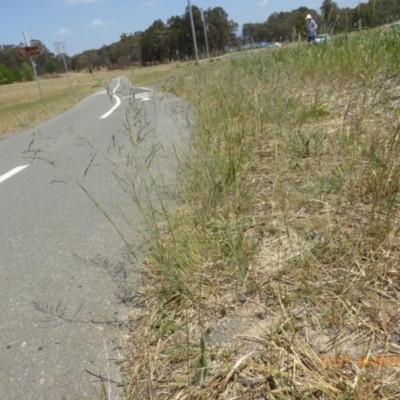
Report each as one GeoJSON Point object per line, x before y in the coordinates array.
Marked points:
{"type": "Point", "coordinates": [311, 29]}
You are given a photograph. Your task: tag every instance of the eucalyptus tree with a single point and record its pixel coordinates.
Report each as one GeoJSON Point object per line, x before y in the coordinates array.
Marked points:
{"type": "Point", "coordinates": [221, 30]}
{"type": "Point", "coordinates": [155, 43]}
{"type": "Point", "coordinates": [329, 15]}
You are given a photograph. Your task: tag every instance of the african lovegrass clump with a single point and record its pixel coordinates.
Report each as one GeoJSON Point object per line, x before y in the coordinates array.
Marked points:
{"type": "Point", "coordinates": [286, 241]}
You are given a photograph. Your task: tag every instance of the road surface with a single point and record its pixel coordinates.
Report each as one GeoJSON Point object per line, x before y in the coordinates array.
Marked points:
{"type": "Point", "coordinates": [66, 274]}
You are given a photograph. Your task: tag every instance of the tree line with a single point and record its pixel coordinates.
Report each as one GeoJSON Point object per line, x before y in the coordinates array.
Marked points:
{"type": "Point", "coordinates": [173, 41]}
{"type": "Point", "coordinates": [289, 26]}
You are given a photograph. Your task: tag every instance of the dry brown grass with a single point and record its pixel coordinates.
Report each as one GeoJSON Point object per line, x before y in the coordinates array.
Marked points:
{"type": "Point", "coordinates": [316, 316]}
{"type": "Point", "coordinates": [285, 254]}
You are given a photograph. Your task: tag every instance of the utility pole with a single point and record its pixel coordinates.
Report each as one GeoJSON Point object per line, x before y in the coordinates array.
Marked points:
{"type": "Point", "coordinates": [205, 32]}
{"type": "Point", "coordinates": [194, 35]}
{"type": "Point", "coordinates": [27, 43]}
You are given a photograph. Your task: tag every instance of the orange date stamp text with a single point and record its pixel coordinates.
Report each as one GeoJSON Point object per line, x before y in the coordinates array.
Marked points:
{"type": "Point", "coordinates": [346, 360]}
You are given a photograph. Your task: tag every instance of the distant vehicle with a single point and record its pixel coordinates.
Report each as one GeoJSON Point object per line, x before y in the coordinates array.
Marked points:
{"type": "Point", "coordinates": [254, 45]}
{"type": "Point", "coordinates": [395, 26]}
{"type": "Point", "coordinates": [323, 38]}
{"type": "Point", "coordinates": [275, 44]}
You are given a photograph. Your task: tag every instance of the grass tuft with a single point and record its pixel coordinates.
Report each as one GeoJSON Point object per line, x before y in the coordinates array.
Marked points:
{"type": "Point", "coordinates": [282, 257]}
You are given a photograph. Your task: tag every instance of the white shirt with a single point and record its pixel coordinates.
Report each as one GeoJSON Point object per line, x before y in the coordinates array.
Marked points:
{"type": "Point", "coordinates": [311, 28]}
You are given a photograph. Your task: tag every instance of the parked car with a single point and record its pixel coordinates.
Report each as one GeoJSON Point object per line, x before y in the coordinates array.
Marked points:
{"type": "Point", "coordinates": [395, 26]}
{"type": "Point", "coordinates": [323, 38]}
{"type": "Point", "coordinates": [275, 44]}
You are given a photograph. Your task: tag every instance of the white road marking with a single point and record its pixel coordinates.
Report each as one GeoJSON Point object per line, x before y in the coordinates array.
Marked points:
{"type": "Point", "coordinates": [114, 90]}
{"type": "Point", "coordinates": [140, 96]}
{"type": "Point", "coordinates": [118, 102]}
{"type": "Point", "coordinates": [143, 96]}
{"type": "Point", "coordinates": [12, 172]}
{"type": "Point", "coordinates": [119, 81]}
{"type": "Point", "coordinates": [145, 88]}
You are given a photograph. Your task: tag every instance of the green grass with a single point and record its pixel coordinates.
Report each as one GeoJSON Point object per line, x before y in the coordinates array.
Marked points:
{"type": "Point", "coordinates": [288, 206]}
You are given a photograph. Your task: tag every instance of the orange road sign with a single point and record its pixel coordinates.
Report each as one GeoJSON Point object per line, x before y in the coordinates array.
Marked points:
{"type": "Point", "coordinates": [28, 51]}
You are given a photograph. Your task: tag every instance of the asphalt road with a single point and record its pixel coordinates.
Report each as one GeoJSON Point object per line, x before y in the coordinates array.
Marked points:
{"type": "Point", "coordinates": [66, 274]}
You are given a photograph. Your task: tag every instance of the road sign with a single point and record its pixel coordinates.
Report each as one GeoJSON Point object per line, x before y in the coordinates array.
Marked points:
{"type": "Point", "coordinates": [61, 48]}
{"type": "Point", "coordinates": [28, 51]}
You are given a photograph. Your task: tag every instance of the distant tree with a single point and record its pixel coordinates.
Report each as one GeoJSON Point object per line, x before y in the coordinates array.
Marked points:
{"type": "Point", "coordinates": [45, 56]}
{"type": "Point", "coordinates": [344, 22]}
{"type": "Point", "coordinates": [187, 44]}
{"type": "Point", "coordinates": [9, 55]}
{"type": "Point", "coordinates": [80, 62]}
{"type": "Point", "coordinates": [130, 49]}
{"type": "Point", "coordinates": [256, 32]}
{"type": "Point", "coordinates": [362, 18]}
{"type": "Point", "coordinates": [222, 31]}
{"type": "Point", "coordinates": [9, 75]}
{"type": "Point", "coordinates": [124, 37]}
{"type": "Point", "coordinates": [329, 15]}
{"type": "Point", "coordinates": [249, 31]}
{"type": "Point", "coordinates": [174, 39]}
{"type": "Point", "coordinates": [4, 75]}
{"type": "Point", "coordinates": [383, 11]}
{"type": "Point", "coordinates": [289, 25]}
{"type": "Point", "coordinates": [300, 23]}
{"type": "Point", "coordinates": [26, 72]}
{"type": "Point", "coordinates": [154, 43]}
{"type": "Point", "coordinates": [177, 36]}
{"type": "Point", "coordinates": [51, 66]}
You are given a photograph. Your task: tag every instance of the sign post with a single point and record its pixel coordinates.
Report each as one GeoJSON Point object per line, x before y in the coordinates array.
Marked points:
{"type": "Point", "coordinates": [205, 31]}
{"type": "Point", "coordinates": [61, 49]}
{"type": "Point", "coordinates": [194, 35]}
{"type": "Point", "coordinates": [30, 51]}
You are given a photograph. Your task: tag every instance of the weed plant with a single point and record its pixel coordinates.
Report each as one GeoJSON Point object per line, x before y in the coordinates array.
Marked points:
{"type": "Point", "coordinates": [278, 274]}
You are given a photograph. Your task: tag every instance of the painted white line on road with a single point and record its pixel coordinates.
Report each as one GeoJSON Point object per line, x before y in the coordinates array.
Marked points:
{"type": "Point", "coordinates": [105, 91]}
{"type": "Point", "coordinates": [143, 96]}
{"type": "Point", "coordinates": [118, 102]}
{"type": "Point", "coordinates": [140, 96]}
{"type": "Point", "coordinates": [119, 81]}
{"type": "Point", "coordinates": [12, 172]}
{"type": "Point", "coordinates": [145, 88]}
